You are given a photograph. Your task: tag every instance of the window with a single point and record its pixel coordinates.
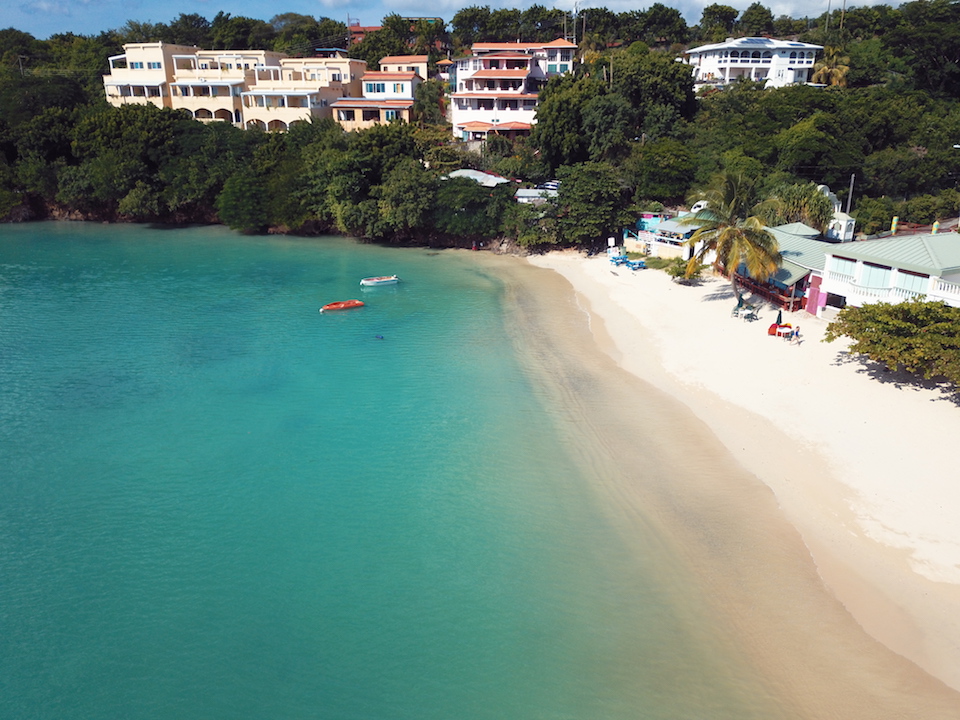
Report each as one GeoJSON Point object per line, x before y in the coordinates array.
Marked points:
{"type": "Point", "coordinates": [345, 115]}
{"type": "Point", "coordinates": [390, 114]}
{"type": "Point", "coordinates": [875, 276]}
{"type": "Point", "coordinates": [136, 66]}
{"type": "Point", "coordinates": [494, 64]}
{"type": "Point", "coordinates": [371, 115]}
{"type": "Point", "coordinates": [843, 266]}
{"type": "Point", "coordinates": [564, 67]}
{"type": "Point", "coordinates": [398, 87]}
{"type": "Point", "coordinates": [335, 77]}
{"type": "Point", "coordinates": [375, 87]}
{"type": "Point", "coordinates": [153, 65]}
{"type": "Point", "coordinates": [552, 68]}
{"type": "Point", "coordinates": [914, 282]}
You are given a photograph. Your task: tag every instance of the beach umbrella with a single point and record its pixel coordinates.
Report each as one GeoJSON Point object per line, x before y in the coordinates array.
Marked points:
{"type": "Point", "coordinates": [779, 317]}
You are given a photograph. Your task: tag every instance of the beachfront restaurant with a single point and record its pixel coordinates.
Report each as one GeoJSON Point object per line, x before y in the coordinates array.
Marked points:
{"type": "Point", "coordinates": [657, 235]}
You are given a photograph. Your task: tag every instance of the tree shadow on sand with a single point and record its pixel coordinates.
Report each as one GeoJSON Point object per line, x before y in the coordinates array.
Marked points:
{"type": "Point", "coordinates": [721, 292]}
{"type": "Point", "coordinates": [900, 378]}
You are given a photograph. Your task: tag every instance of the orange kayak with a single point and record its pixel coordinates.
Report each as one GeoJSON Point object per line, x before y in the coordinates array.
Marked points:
{"type": "Point", "coordinates": [341, 305]}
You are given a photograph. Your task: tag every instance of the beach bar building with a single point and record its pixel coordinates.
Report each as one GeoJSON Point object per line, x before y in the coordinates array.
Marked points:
{"type": "Point", "coordinates": [658, 235]}
{"type": "Point", "coordinates": [891, 269]}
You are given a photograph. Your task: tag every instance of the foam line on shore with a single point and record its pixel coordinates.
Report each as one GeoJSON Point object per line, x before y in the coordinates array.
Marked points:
{"type": "Point", "coordinates": [864, 469]}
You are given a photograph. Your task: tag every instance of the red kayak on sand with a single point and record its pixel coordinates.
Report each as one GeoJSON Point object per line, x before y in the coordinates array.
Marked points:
{"type": "Point", "coordinates": [341, 305]}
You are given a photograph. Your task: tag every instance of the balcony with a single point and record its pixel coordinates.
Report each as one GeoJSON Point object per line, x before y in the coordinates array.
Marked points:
{"type": "Point", "coordinates": [857, 294]}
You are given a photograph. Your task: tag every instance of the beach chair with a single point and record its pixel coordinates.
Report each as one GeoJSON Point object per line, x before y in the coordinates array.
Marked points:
{"type": "Point", "coordinates": [737, 309]}
{"type": "Point", "coordinates": [749, 312]}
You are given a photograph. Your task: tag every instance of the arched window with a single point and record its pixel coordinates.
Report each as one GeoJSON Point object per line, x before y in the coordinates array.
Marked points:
{"type": "Point", "coordinates": [734, 54]}
{"type": "Point", "coordinates": [793, 56]}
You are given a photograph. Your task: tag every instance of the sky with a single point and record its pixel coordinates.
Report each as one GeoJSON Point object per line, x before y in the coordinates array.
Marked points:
{"type": "Point", "coordinates": [43, 18]}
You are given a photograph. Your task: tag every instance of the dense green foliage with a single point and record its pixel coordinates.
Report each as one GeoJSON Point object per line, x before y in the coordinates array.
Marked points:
{"type": "Point", "coordinates": [921, 337]}
{"type": "Point", "coordinates": [624, 131]}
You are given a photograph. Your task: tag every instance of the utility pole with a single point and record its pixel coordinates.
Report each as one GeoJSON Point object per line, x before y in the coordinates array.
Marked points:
{"type": "Point", "coordinates": [850, 195]}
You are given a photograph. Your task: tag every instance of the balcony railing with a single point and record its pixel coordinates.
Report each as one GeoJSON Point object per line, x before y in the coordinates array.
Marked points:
{"type": "Point", "coordinates": [946, 288]}
{"type": "Point", "coordinates": [939, 290]}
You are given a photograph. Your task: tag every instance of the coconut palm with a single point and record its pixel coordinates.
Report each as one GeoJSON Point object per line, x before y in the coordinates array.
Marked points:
{"type": "Point", "coordinates": [832, 68]}
{"type": "Point", "coordinates": [728, 226]}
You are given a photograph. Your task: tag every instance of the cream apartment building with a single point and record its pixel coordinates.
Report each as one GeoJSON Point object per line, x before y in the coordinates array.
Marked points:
{"type": "Point", "coordinates": [249, 88]}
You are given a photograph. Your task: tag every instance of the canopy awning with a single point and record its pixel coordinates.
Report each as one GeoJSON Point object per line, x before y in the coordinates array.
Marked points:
{"type": "Point", "coordinates": [789, 274]}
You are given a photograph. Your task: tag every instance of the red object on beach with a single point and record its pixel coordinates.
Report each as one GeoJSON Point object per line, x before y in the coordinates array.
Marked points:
{"type": "Point", "coordinates": [342, 305]}
{"type": "Point", "coordinates": [772, 330]}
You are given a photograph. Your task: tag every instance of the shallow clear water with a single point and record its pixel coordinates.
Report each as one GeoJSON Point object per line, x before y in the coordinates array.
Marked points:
{"type": "Point", "coordinates": [217, 502]}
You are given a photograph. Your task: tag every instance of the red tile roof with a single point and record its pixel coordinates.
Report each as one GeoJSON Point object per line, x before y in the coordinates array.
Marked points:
{"type": "Point", "coordinates": [394, 59]}
{"type": "Point", "coordinates": [500, 74]}
{"type": "Point", "coordinates": [365, 103]}
{"type": "Point", "coordinates": [377, 75]}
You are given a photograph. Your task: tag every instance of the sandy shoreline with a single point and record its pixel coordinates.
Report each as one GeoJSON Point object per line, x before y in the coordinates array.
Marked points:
{"type": "Point", "coordinates": [861, 468]}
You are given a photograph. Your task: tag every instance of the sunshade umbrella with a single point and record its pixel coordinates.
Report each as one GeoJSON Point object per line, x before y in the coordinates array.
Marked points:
{"type": "Point", "coordinates": [779, 317]}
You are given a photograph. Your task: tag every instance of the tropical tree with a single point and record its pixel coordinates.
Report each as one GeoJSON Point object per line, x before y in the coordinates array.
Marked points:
{"type": "Point", "coordinates": [716, 22]}
{"type": "Point", "coordinates": [832, 68]}
{"type": "Point", "coordinates": [803, 203]}
{"type": "Point", "coordinates": [756, 20]}
{"type": "Point", "coordinates": [728, 225]}
{"type": "Point", "coordinates": [920, 336]}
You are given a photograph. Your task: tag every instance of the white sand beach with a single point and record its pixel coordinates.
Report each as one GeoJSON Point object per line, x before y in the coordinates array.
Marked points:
{"type": "Point", "coordinates": [861, 465]}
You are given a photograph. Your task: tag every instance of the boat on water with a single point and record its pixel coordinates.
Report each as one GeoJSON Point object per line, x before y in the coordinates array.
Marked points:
{"type": "Point", "coordinates": [341, 305]}
{"type": "Point", "coordinates": [380, 280]}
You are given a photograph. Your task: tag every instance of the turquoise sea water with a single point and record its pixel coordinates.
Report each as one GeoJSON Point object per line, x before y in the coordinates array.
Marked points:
{"type": "Point", "coordinates": [216, 502]}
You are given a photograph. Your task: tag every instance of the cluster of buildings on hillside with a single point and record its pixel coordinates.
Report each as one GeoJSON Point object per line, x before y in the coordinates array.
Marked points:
{"type": "Point", "coordinates": [493, 90]}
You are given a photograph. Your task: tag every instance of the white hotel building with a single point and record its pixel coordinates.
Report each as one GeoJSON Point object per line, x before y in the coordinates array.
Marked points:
{"type": "Point", "coordinates": [497, 87]}
{"type": "Point", "coordinates": [776, 62]}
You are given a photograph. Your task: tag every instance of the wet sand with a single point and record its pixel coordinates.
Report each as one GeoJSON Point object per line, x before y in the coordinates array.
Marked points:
{"type": "Point", "coordinates": [767, 520]}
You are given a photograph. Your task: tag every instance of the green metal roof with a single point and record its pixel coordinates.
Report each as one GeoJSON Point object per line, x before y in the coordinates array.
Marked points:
{"type": "Point", "coordinates": [798, 228]}
{"type": "Point", "coordinates": [789, 273]}
{"type": "Point", "coordinates": [802, 249]}
{"type": "Point", "coordinates": [936, 255]}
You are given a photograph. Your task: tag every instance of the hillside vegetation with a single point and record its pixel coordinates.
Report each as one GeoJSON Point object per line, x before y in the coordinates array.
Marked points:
{"type": "Point", "coordinates": [624, 133]}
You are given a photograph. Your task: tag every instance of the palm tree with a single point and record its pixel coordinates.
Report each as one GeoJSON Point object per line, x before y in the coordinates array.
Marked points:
{"type": "Point", "coordinates": [832, 68]}
{"type": "Point", "coordinates": [728, 226]}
